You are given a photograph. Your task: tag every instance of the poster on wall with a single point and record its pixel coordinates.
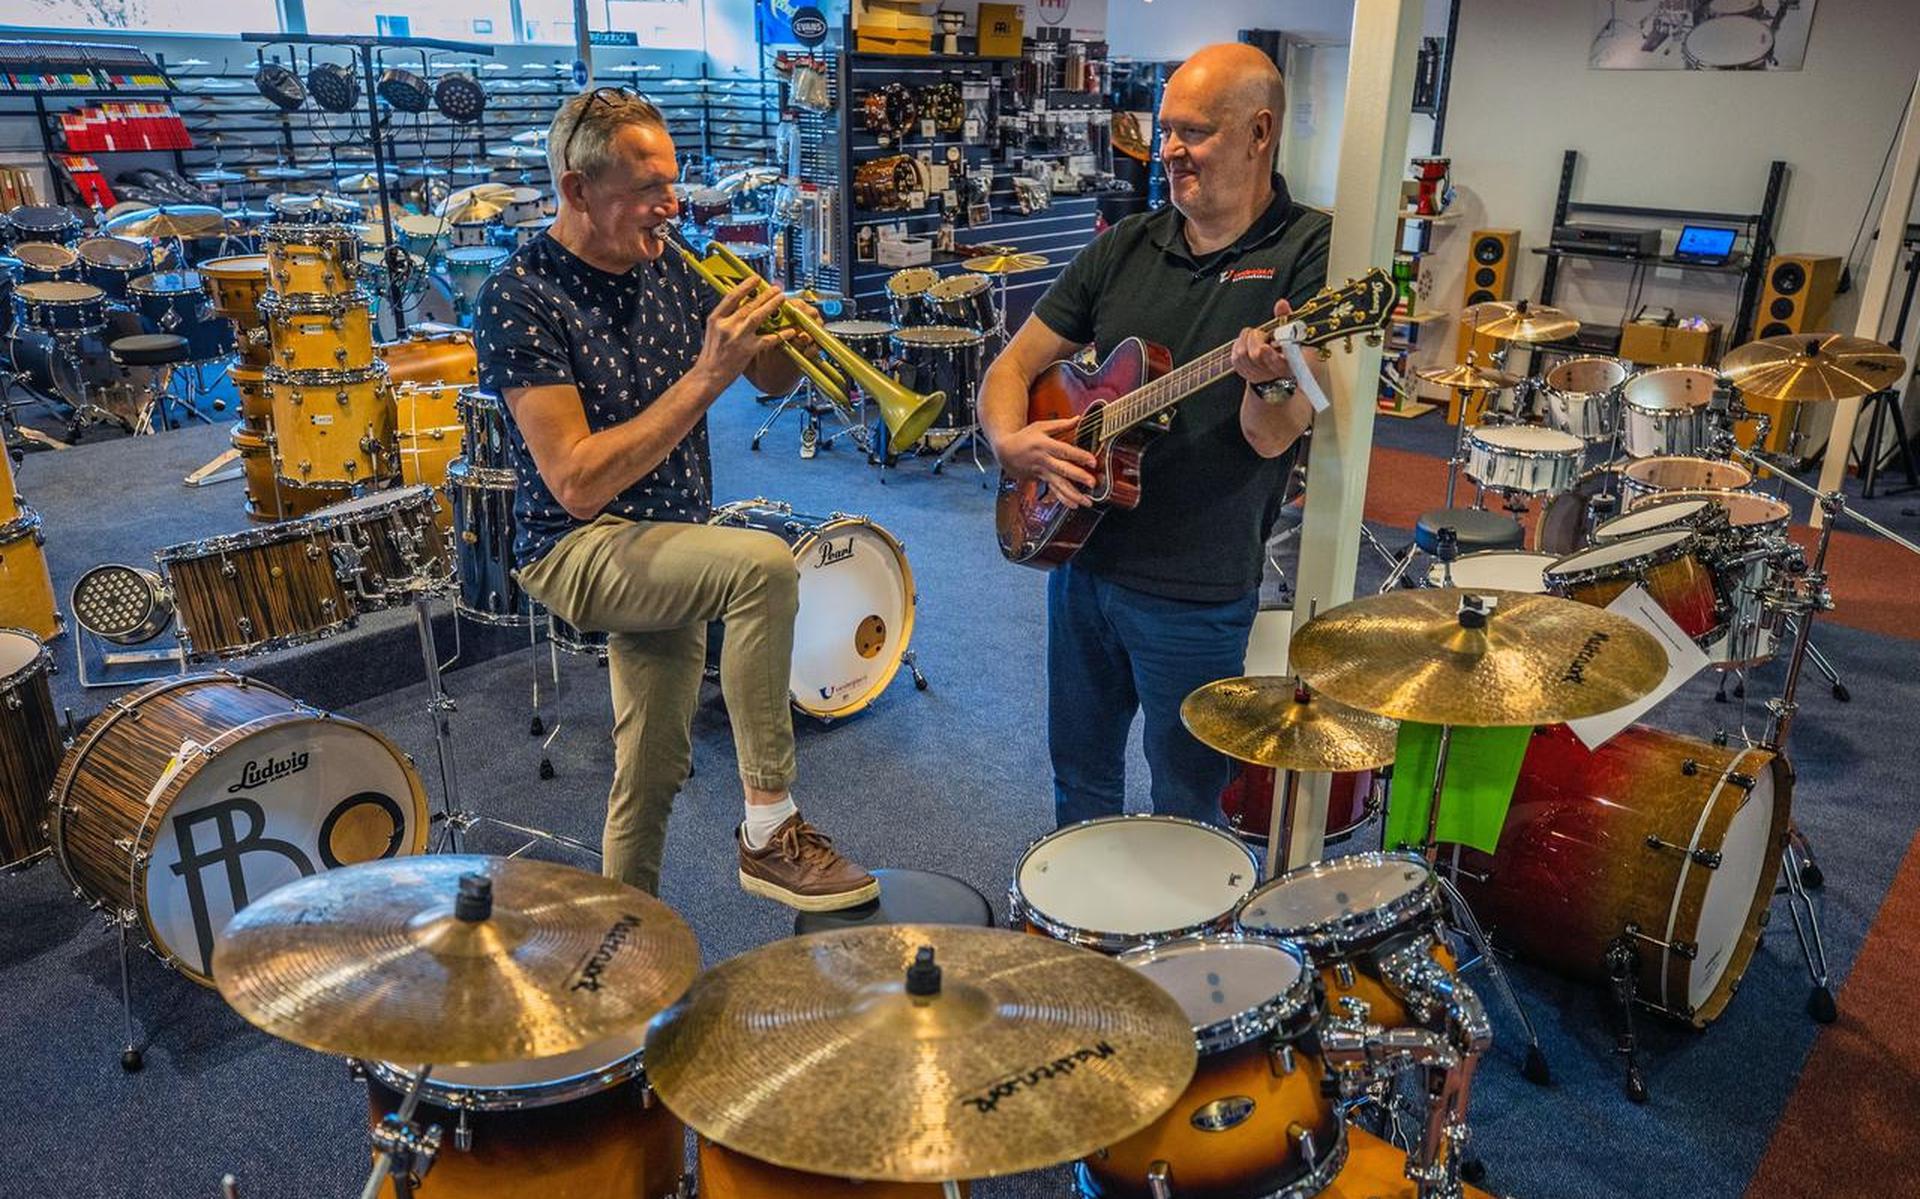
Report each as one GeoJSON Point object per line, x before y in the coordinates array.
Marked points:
{"type": "Point", "coordinates": [1700, 35]}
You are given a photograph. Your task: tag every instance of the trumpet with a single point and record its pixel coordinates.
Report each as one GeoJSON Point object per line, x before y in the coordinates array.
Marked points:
{"type": "Point", "coordinates": [833, 368]}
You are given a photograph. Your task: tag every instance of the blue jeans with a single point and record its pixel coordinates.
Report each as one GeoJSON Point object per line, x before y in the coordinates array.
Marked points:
{"type": "Point", "coordinates": [1112, 650]}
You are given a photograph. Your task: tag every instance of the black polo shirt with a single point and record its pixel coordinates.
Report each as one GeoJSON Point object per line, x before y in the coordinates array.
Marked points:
{"type": "Point", "coordinates": [548, 317]}
{"type": "Point", "coordinates": [1208, 501]}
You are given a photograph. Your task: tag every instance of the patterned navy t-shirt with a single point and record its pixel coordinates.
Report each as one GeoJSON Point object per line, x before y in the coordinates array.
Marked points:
{"type": "Point", "coordinates": [548, 318]}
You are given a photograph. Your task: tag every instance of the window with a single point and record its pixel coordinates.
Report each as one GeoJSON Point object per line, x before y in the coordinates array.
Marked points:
{"type": "Point", "coordinates": [146, 16]}
{"type": "Point", "coordinates": [468, 21]}
{"type": "Point", "coordinates": [660, 24]}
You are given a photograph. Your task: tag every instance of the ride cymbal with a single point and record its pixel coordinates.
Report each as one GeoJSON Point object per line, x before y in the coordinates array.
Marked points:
{"type": "Point", "coordinates": [1423, 655]}
{"type": "Point", "coordinates": [177, 220]}
{"type": "Point", "coordinates": [1813, 367]}
{"type": "Point", "coordinates": [401, 960]}
{"type": "Point", "coordinates": [1275, 721]}
{"type": "Point", "coordinates": [825, 1053]}
{"type": "Point", "coordinates": [1519, 321]}
{"type": "Point", "coordinates": [1467, 377]}
{"type": "Point", "coordinates": [1005, 264]}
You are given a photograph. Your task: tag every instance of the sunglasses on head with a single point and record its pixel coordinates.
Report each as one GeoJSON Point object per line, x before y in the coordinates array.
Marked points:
{"type": "Point", "coordinates": [586, 110]}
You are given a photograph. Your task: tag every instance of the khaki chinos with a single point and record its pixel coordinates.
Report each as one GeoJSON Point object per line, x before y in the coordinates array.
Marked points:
{"type": "Point", "coordinates": [652, 586]}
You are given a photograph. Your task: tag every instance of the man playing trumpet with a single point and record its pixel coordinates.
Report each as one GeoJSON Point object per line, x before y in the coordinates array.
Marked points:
{"type": "Point", "coordinates": [608, 350]}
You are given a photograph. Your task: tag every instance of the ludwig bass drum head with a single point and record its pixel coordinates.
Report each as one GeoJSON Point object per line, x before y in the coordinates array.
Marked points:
{"type": "Point", "coordinates": [295, 798]}
{"type": "Point", "coordinates": [855, 615]}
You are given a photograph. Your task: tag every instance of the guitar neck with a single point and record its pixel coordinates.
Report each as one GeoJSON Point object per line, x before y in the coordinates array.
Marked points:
{"type": "Point", "coordinates": [1144, 403]}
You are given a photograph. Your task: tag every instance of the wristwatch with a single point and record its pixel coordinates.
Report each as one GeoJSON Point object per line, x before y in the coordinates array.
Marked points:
{"type": "Point", "coordinates": [1276, 391]}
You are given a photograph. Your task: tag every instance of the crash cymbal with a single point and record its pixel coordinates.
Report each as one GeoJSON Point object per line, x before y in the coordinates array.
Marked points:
{"type": "Point", "coordinates": [1276, 721]}
{"type": "Point", "coordinates": [1467, 377]}
{"type": "Point", "coordinates": [529, 137]}
{"type": "Point", "coordinates": [218, 175]}
{"type": "Point", "coordinates": [1027, 1052]}
{"type": "Point", "coordinates": [1813, 367]}
{"type": "Point", "coordinates": [1534, 659]}
{"type": "Point", "coordinates": [281, 172]}
{"type": "Point", "coordinates": [364, 181]}
{"type": "Point", "coordinates": [1519, 321]}
{"type": "Point", "coordinates": [174, 220]}
{"type": "Point", "coordinates": [403, 960]}
{"type": "Point", "coordinates": [426, 171]}
{"type": "Point", "coordinates": [1005, 264]}
{"type": "Point", "coordinates": [517, 153]}
{"type": "Point", "coordinates": [473, 170]}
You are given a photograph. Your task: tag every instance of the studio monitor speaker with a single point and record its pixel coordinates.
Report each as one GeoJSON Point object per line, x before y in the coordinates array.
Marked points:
{"type": "Point", "coordinates": [1491, 255]}
{"type": "Point", "coordinates": [1796, 294]}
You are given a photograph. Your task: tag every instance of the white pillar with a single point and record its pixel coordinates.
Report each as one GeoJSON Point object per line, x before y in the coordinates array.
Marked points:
{"type": "Point", "coordinates": [1878, 289]}
{"type": "Point", "coordinates": [1373, 142]}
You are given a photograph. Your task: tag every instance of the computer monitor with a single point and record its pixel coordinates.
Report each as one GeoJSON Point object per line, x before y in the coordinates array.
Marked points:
{"type": "Point", "coordinates": [1705, 243]}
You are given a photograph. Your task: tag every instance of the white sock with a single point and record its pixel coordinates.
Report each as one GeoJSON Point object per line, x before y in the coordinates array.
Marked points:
{"type": "Point", "coordinates": [763, 820]}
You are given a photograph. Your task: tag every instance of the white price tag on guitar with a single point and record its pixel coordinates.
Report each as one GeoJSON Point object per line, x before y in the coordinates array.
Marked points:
{"type": "Point", "coordinates": [1684, 660]}
{"type": "Point", "coordinates": [1288, 338]}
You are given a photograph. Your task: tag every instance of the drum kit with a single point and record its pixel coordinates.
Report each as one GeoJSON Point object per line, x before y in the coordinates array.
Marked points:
{"type": "Point", "coordinates": [558, 1026]}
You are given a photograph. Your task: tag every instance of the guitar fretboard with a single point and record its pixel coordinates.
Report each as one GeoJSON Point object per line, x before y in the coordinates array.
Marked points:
{"type": "Point", "coordinates": [1148, 401]}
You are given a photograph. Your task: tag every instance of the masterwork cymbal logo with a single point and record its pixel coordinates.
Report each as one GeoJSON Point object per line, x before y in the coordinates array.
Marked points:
{"type": "Point", "coordinates": [589, 976]}
{"type": "Point", "coordinates": [1576, 671]}
{"type": "Point", "coordinates": [1059, 1067]}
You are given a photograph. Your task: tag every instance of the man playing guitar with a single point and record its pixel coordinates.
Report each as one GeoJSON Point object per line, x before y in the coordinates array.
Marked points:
{"type": "Point", "coordinates": [1161, 598]}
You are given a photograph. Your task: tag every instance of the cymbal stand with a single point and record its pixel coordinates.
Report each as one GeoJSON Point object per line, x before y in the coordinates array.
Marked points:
{"type": "Point", "coordinates": [805, 399]}
{"type": "Point", "coordinates": [401, 1149]}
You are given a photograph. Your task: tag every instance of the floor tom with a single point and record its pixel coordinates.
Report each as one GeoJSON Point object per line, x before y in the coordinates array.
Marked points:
{"type": "Point", "coordinates": [484, 438]}
{"type": "Point", "coordinates": [965, 301]}
{"type": "Point", "coordinates": [483, 532]}
{"type": "Point", "coordinates": [943, 358]}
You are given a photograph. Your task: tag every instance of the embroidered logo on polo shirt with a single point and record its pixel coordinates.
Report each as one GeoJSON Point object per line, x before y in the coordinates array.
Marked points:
{"type": "Point", "coordinates": [1229, 275]}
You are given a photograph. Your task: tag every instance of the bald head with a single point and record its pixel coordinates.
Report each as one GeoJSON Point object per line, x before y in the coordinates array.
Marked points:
{"type": "Point", "coordinates": [1219, 127]}
{"type": "Point", "coordinates": [1232, 80]}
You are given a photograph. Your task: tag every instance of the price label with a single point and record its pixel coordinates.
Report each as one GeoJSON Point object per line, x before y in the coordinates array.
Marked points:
{"type": "Point", "coordinates": [927, 128]}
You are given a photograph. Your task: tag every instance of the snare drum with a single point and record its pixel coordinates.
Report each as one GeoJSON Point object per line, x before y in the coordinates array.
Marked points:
{"type": "Point", "coordinates": [484, 439]}
{"type": "Point", "coordinates": [30, 735]}
{"type": "Point", "coordinates": [113, 263]}
{"type": "Point", "coordinates": [315, 260]}
{"type": "Point", "coordinates": [483, 532]}
{"type": "Point", "coordinates": [45, 262]}
{"type": "Point", "coordinates": [964, 300]}
{"type": "Point", "coordinates": [1728, 44]}
{"type": "Point", "coordinates": [856, 603]}
{"type": "Point", "coordinates": [255, 591]}
{"type": "Point", "coordinates": [26, 585]}
{"type": "Point", "coordinates": [320, 333]}
{"type": "Point", "coordinates": [576, 1124]}
{"type": "Point", "coordinates": [1670, 564]}
{"type": "Point", "coordinates": [1347, 913]}
{"type": "Point", "coordinates": [469, 267]}
{"type": "Point", "coordinates": [1523, 458]}
{"type": "Point", "coordinates": [268, 499]}
{"type": "Point", "coordinates": [1665, 411]}
{"type": "Point", "coordinates": [946, 359]}
{"type": "Point", "coordinates": [742, 230]}
{"type": "Point", "coordinates": [276, 791]}
{"type": "Point", "coordinates": [1672, 837]}
{"type": "Point", "coordinates": [1583, 396]}
{"type": "Point", "coordinates": [431, 357]}
{"type": "Point", "coordinates": [331, 427]}
{"type": "Point", "coordinates": [907, 298]}
{"type": "Point", "coordinates": [42, 222]}
{"type": "Point", "coordinates": [1117, 882]}
{"type": "Point", "coordinates": [60, 307]}
{"type": "Point", "coordinates": [389, 544]}
{"type": "Point", "coordinates": [1646, 476]}
{"type": "Point", "coordinates": [1501, 570]}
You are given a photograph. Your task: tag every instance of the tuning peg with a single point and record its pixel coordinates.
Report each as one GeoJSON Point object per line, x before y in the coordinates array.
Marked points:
{"type": "Point", "coordinates": [1374, 339]}
{"type": "Point", "coordinates": [1324, 353]}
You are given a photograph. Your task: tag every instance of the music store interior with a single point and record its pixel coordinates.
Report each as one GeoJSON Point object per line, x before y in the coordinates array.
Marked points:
{"type": "Point", "coordinates": [638, 599]}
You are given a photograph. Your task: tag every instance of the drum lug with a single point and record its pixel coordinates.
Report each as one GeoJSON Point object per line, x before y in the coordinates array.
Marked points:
{"type": "Point", "coordinates": [1343, 974]}
{"type": "Point", "coordinates": [1302, 1137]}
{"type": "Point", "coordinates": [1280, 1059]}
{"type": "Point", "coordinates": [1708, 858]}
{"type": "Point", "coordinates": [356, 1070]}
{"type": "Point", "coordinates": [227, 568]}
{"type": "Point", "coordinates": [1684, 949]}
{"type": "Point", "coordinates": [1745, 782]}
{"type": "Point", "coordinates": [1689, 768]}
{"type": "Point", "coordinates": [1160, 1180]}
{"type": "Point", "coordinates": [463, 1133]}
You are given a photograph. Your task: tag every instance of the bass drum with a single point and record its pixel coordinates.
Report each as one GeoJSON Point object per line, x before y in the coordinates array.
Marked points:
{"type": "Point", "coordinates": [181, 841]}
{"type": "Point", "coordinates": [856, 603]}
{"type": "Point", "coordinates": [1675, 837]}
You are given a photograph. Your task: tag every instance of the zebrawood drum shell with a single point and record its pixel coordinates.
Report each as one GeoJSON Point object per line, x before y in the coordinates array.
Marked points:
{"type": "Point", "coordinates": [725, 1174]}
{"type": "Point", "coordinates": [236, 599]}
{"type": "Point", "coordinates": [29, 746]}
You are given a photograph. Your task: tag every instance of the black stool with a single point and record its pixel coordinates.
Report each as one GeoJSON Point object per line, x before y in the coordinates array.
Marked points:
{"type": "Point", "coordinates": [1474, 530]}
{"type": "Point", "coordinates": [906, 897]}
{"type": "Point", "coordinates": [160, 354]}
{"type": "Point", "coordinates": [148, 349]}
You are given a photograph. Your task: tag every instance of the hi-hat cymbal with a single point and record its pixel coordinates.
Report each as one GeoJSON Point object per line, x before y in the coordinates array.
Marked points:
{"type": "Point", "coordinates": [1005, 264]}
{"type": "Point", "coordinates": [1813, 367]}
{"type": "Point", "coordinates": [374, 961]}
{"type": "Point", "coordinates": [1029, 1052]}
{"type": "Point", "coordinates": [1467, 377]}
{"type": "Point", "coordinates": [1274, 721]}
{"type": "Point", "coordinates": [1536, 659]}
{"type": "Point", "coordinates": [1519, 321]}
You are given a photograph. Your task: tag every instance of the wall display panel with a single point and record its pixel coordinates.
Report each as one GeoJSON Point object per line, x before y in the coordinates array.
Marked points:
{"type": "Point", "coordinates": [469, 21]}
{"type": "Point", "coordinates": [144, 16]}
{"type": "Point", "coordinates": [1700, 35]}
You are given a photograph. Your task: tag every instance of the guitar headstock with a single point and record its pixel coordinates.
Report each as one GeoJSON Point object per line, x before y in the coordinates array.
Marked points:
{"type": "Point", "coordinates": [1363, 306]}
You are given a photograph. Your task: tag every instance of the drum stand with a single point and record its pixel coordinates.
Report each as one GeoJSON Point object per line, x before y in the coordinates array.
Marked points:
{"type": "Point", "coordinates": [401, 1149]}
{"type": "Point", "coordinates": [805, 399]}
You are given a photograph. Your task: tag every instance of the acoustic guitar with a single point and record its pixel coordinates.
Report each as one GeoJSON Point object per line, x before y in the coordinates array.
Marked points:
{"type": "Point", "coordinates": [1129, 398]}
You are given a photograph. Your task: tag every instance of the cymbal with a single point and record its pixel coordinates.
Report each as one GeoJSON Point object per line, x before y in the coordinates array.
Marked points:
{"type": "Point", "coordinates": [1005, 264]}
{"type": "Point", "coordinates": [425, 171]}
{"type": "Point", "coordinates": [1066, 1049]}
{"type": "Point", "coordinates": [514, 152]}
{"type": "Point", "coordinates": [371, 960]}
{"type": "Point", "coordinates": [529, 137]}
{"type": "Point", "coordinates": [473, 170]}
{"type": "Point", "coordinates": [1274, 721]}
{"type": "Point", "coordinates": [1467, 377]}
{"type": "Point", "coordinates": [1539, 659]}
{"type": "Point", "coordinates": [365, 181]}
{"type": "Point", "coordinates": [1519, 321]}
{"type": "Point", "coordinates": [1813, 367]}
{"type": "Point", "coordinates": [281, 172]}
{"type": "Point", "coordinates": [218, 175]}
{"type": "Point", "coordinates": [177, 220]}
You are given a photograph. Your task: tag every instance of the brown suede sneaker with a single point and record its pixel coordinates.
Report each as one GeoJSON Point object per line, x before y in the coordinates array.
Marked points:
{"type": "Point", "coordinates": [800, 868]}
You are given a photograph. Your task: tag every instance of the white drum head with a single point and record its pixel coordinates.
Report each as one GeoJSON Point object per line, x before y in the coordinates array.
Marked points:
{"type": "Point", "coordinates": [1136, 875]}
{"type": "Point", "coordinates": [1744, 508]}
{"type": "Point", "coordinates": [17, 652]}
{"type": "Point", "coordinates": [860, 328]}
{"type": "Point", "coordinates": [1729, 42]}
{"type": "Point", "coordinates": [855, 606]}
{"type": "Point", "coordinates": [1648, 517]}
{"type": "Point", "coordinates": [293, 799]}
{"type": "Point", "coordinates": [1532, 439]}
{"type": "Point", "coordinates": [1670, 474]}
{"type": "Point", "coordinates": [1745, 855]}
{"type": "Point", "coordinates": [1336, 889]}
{"type": "Point", "coordinates": [1621, 551]}
{"type": "Point", "coordinates": [1584, 376]}
{"type": "Point", "coordinates": [1672, 388]}
{"type": "Point", "coordinates": [1214, 980]}
{"type": "Point", "coordinates": [1503, 570]}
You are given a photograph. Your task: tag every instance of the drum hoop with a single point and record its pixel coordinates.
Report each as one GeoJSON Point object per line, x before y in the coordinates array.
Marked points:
{"type": "Point", "coordinates": [1689, 546]}
{"type": "Point", "coordinates": [311, 379]}
{"type": "Point", "coordinates": [335, 304]}
{"type": "Point", "coordinates": [195, 288]}
{"type": "Point", "coordinates": [917, 336]}
{"type": "Point", "coordinates": [1281, 1012]}
{"type": "Point", "coordinates": [313, 235]}
{"type": "Point", "coordinates": [390, 503]}
{"type": "Point", "coordinates": [225, 269]}
{"type": "Point", "coordinates": [24, 525]}
{"type": "Point", "coordinates": [464, 474]}
{"type": "Point", "coordinates": [457, 1097]}
{"type": "Point", "coordinates": [510, 621]}
{"type": "Point", "coordinates": [1112, 942]}
{"type": "Point", "coordinates": [39, 663]}
{"type": "Point", "coordinates": [1476, 442]}
{"type": "Point", "coordinates": [1343, 934]}
{"type": "Point", "coordinates": [1708, 514]}
{"type": "Point", "coordinates": [270, 645]}
{"type": "Point", "coordinates": [1713, 497]}
{"type": "Point", "coordinates": [29, 292]}
{"type": "Point", "coordinates": [909, 605]}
